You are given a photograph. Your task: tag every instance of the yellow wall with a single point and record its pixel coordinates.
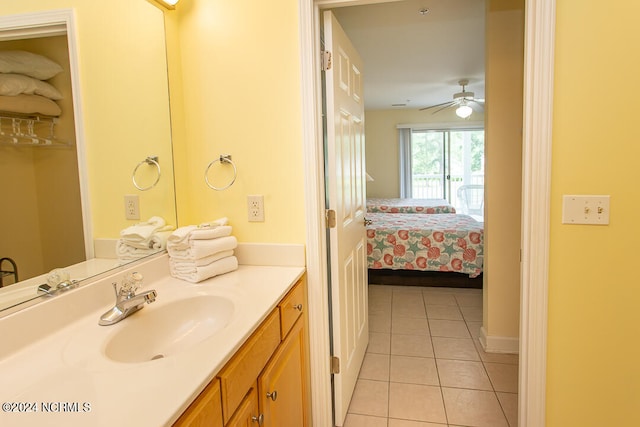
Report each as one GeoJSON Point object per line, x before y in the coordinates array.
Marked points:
{"type": "Point", "coordinates": [593, 352]}
{"type": "Point", "coordinates": [381, 135]}
{"type": "Point", "coordinates": [503, 188]}
{"type": "Point", "coordinates": [123, 84]}
{"type": "Point", "coordinates": [240, 87]}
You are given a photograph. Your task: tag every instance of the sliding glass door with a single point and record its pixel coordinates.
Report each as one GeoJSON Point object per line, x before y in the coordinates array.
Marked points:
{"type": "Point", "coordinates": [449, 164]}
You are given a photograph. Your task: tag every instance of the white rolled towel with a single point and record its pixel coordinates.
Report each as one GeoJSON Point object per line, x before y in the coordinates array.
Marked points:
{"type": "Point", "coordinates": [143, 230]}
{"type": "Point", "coordinates": [124, 251]}
{"type": "Point", "coordinates": [203, 248]}
{"type": "Point", "coordinates": [190, 266]}
{"type": "Point", "coordinates": [157, 241]}
{"type": "Point", "coordinates": [224, 265]}
{"type": "Point", "coordinates": [181, 238]}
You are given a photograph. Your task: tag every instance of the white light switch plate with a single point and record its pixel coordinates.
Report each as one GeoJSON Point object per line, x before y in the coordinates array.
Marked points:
{"type": "Point", "coordinates": [585, 209]}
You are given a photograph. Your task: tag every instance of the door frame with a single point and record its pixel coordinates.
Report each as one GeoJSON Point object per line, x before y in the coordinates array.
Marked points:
{"type": "Point", "coordinates": [536, 183]}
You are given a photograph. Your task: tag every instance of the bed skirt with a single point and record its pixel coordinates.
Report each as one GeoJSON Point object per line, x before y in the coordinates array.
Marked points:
{"type": "Point", "coordinates": [423, 278]}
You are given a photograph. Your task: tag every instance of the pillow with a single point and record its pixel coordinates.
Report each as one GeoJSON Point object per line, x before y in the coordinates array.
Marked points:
{"type": "Point", "coordinates": [29, 104]}
{"type": "Point", "coordinates": [15, 84]}
{"type": "Point", "coordinates": [28, 63]}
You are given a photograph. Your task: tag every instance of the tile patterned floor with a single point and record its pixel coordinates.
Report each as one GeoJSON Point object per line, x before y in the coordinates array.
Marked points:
{"type": "Point", "coordinates": [424, 366]}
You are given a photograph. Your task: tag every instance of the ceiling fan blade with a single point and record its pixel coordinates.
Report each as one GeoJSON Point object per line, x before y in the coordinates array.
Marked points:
{"type": "Point", "coordinates": [448, 103]}
{"type": "Point", "coordinates": [451, 104]}
{"type": "Point", "coordinates": [476, 106]}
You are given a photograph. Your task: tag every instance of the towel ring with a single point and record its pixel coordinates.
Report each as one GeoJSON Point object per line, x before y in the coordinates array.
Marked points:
{"type": "Point", "coordinates": [151, 160]}
{"type": "Point", "coordinates": [224, 158]}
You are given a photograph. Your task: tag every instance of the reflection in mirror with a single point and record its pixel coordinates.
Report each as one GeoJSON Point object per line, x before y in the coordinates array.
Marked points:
{"type": "Point", "coordinates": [69, 173]}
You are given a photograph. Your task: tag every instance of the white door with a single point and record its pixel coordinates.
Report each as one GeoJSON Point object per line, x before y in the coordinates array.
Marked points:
{"type": "Point", "coordinates": [346, 196]}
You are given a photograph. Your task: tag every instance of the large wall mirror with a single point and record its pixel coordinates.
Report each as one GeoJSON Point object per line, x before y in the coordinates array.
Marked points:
{"type": "Point", "coordinates": [66, 173]}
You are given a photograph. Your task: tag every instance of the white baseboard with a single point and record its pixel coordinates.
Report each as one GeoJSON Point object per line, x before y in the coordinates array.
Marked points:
{"type": "Point", "coordinates": [493, 344]}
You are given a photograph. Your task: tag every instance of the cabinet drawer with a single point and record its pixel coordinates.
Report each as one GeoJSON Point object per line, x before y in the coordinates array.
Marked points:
{"type": "Point", "coordinates": [291, 307]}
{"type": "Point", "coordinates": [240, 374]}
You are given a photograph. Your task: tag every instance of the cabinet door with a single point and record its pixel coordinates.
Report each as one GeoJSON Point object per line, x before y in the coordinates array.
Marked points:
{"type": "Point", "coordinates": [206, 410]}
{"type": "Point", "coordinates": [247, 413]}
{"type": "Point", "coordinates": [281, 386]}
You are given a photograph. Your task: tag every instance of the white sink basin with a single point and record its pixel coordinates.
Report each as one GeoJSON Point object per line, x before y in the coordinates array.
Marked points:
{"type": "Point", "coordinates": [157, 332]}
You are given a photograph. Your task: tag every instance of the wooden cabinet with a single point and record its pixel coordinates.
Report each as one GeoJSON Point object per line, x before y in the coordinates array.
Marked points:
{"type": "Point", "coordinates": [205, 410]}
{"type": "Point", "coordinates": [281, 389]}
{"type": "Point", "coordinates": [240, 373]}
{"type": "Point", "coordinates": [264, 383]}
{"type": "Point", "coordinates": [247, 414]}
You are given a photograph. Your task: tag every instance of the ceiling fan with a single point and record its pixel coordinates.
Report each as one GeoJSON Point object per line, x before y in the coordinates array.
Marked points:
{"type": "Point", "coordinates": [464, 101]}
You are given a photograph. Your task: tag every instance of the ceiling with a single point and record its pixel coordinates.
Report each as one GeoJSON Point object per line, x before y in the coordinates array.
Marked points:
{"type": "Point", "coordinates": [414, 60]}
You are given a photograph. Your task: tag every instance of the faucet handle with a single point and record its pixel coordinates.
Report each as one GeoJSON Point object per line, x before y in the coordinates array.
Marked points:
{"type": "Point", "coordinates": [131, 283]}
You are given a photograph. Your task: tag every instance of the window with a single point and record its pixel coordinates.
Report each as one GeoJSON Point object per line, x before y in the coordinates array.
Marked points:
{"type": "Point", "coordinates": [445, 164]}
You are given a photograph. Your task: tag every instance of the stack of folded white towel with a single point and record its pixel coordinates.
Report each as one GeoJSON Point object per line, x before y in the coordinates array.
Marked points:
{"type": "Point", "coordinates": [199, 252]}
{"type": "Point", "coordinates": [142, 239]}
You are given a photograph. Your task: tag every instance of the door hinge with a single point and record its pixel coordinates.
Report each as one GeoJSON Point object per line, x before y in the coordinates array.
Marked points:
{"type": "Point", "coordinates": [335, 365]}
{"type": "Point", "coordinates": [330, 216]}
{"type": "Point", "coordinates": [326, 60]}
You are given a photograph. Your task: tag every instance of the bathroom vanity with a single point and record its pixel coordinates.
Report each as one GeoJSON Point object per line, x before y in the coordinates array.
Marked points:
{"type": "Point", "coordinates": [228, 351]}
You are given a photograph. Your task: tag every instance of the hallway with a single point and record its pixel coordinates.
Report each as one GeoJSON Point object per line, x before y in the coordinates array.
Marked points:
{"type": "Point", "coordinates": [424, 366]}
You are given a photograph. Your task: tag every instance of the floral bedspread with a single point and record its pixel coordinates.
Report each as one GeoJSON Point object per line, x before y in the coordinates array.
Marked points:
{"type": "Point", "coordinates": [423, 206]}
{"type": "Point", "coordinates": [447, 242]}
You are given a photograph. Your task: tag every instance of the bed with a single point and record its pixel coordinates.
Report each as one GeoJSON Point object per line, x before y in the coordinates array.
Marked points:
{"type": "Point", "coordinates": [419, 242]}
{"type": "Point", "coordinates": [421, 206]}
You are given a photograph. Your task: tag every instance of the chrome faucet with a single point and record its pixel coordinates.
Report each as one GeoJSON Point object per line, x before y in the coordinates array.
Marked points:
{"type": "Point", "coordinates": [127, 301]}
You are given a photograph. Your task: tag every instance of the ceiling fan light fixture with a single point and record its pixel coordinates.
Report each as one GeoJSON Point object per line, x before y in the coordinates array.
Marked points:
{"type": "Point", "coordinates": [463, 111]}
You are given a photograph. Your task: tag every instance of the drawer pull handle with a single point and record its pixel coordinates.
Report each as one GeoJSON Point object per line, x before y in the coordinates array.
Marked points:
{"type": "Point", "coordinates": [298, 307]}
{"type": "Point", "coordinates": [273, 395]}
{"type": "Point", "coordinates": [259, 419]}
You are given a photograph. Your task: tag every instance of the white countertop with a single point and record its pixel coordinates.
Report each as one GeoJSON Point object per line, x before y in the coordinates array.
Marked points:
{"type": "Point", "coordinates": [67, 364]}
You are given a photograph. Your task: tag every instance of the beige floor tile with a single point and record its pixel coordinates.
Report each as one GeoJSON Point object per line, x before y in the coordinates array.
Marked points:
{"type": "Point", "coordinates": [355, 420]}
{"type": "Point", "coordinates": [454, 348]}
{"type": "Point", "coordinates": [416, 402]}
{"type": "Point", "coordinates": [379, 343]}
{"type": "Point", "coordinates": [444, 312]}
{"type": "Point", "coordinates": [378, 308]}
{"type": "Point", "coordinates": [469, 300]}
{"type": "Point", "coordinates": [393, 422]}
{"type": "Point", "coordinates": [380, 291]}
{"type": "Point", "coordinates": [375, 367]}
{"type": "Point", "coordinates": [473, 408]}
{"type": "Point", "coordinates": [406, 290]}
{"type": "Point", "coordinates": [370, 398]}
{"type": "Point", "coordinates": [474, 329]}
{"type": "Point", "coordinates": [509, 403]}
{"type": "Point", "coordinates": [380, 323]}
{"type": "Point", "coordinates": [511, 359]}
{"type": "Point", "coordinates": [503, 377]}
{"type": "Point", "coordinates": [448, 328]}
{"type": "Point", "coordinates": [411, 345]}
{"type": "Point", "coordinates": [439, 298]}
{"type": "Point", "coordinates": [412, 308]}
{"type": "Point", "coordinates": [463, 374]}
{"type": "Point", "coordinates": [472, 314]}
{"type": "Point", "coordinates": [413, 370]}
{"type": "Point", "coordinates": [409, 326]}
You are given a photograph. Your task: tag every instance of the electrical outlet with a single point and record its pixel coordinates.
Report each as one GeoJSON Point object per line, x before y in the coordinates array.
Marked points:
{"type": "Point", "coordinates": [255, 206]}
{"type": "Point", "coordinates": [131, 206]}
